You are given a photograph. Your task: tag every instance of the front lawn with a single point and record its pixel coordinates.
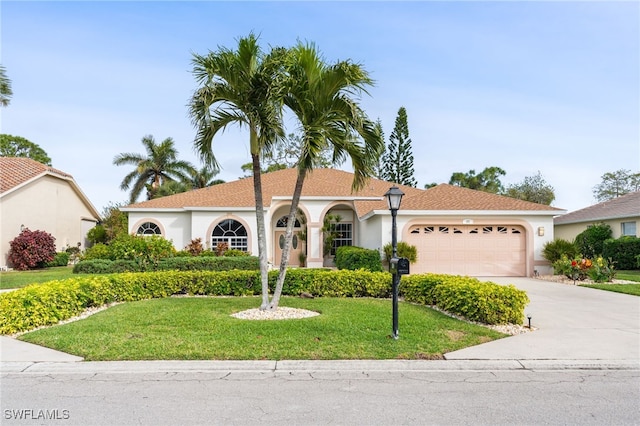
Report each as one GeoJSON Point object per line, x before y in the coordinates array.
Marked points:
{"type": "Point", "coordinates": [629, 275]}
{"type": "Point", "coordinates": [19, 279]}
{"type": "Point", "coordinates": [201, 328]}
{"type": "Point", "coordinates": [633, 289]}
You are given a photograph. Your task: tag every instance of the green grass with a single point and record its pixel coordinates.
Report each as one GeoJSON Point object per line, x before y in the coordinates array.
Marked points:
{"type": "Point", "coordinates": [633, 289]}
{"type": "Point", "coordinates": [201, 328]}
{"type": "Point", "coordinates": [629, 275]}
{"type": "Point", "coordinates": [19, 279]}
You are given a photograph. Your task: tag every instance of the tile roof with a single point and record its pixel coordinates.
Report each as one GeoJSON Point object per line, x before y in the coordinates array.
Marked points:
{"type": "Point", "coordinates": [14, 171]}
{"type": "Point", "coordinates": [625, 206]}
{"type": "Point", "coordinates": [337, 184]}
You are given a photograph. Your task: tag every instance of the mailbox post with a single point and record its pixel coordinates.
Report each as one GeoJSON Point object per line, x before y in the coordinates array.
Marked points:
{"type": "Point", "coordinates": [394, 198]}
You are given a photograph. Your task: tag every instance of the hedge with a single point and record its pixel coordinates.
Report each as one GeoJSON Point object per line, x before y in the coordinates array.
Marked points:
{"type": "Point", "coordinates": [354, 258]}
{"type": "Point", "coordinates": [48, 303]}
{"type": "Point", "coordinates": [201, 263]}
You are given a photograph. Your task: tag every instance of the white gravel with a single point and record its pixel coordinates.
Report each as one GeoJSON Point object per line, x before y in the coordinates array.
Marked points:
{"type": "Point", "coordinates": [279, 314]}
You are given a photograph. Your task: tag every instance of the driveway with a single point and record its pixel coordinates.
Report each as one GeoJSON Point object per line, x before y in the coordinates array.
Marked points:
{"type": "Point", "coordinates": [573, 323]}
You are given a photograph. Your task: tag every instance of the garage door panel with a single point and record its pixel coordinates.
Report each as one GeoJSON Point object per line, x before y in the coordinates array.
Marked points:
{"type": "Point", "coordinates": [478, 250]}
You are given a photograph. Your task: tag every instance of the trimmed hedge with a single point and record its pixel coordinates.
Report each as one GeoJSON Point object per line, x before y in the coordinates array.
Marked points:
{"type": "Point", "coordinates": [204, 263]}
{"type": "Point", "coordinates": [48, 303]}
{"type": "Point", "coordinates": [354, 258]}
{"type": "Point", "coordinates": [623, 252]}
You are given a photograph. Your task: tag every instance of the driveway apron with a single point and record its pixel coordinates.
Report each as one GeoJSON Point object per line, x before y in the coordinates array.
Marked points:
{"type": "Point", "coordinates": [570, 322]}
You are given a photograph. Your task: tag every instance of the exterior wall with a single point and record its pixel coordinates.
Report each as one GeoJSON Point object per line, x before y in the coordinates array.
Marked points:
{"type": "Point", "coordinates": [47, 204]}
{"type": "Point", "coordinates": [569, 231]}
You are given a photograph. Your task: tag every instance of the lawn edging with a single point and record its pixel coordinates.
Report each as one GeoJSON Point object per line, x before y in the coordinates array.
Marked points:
{"type": "Point", "coordinates": [49, 303]}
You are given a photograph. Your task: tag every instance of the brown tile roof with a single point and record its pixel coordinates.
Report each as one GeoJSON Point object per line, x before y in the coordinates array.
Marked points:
{"type": "Point", "coordinates": [337, 184]}
{"type": "Point", "coordinates": [14, 171]}
{"type": "Point", "coordinates": [625, 206]}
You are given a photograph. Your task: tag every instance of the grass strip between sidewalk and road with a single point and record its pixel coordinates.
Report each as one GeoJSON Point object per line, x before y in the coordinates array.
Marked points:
{"type": "Point", "coordinates": [201, 328]}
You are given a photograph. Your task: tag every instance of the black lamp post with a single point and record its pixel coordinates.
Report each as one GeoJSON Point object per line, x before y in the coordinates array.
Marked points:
{"type": "Point", "coordinates": [394, 198]}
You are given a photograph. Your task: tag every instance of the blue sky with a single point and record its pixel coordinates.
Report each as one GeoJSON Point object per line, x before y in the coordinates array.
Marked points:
{"type": "Point", "coordinates": [526, 86]}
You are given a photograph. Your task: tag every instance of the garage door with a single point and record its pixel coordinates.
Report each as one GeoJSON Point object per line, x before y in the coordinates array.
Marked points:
{"type": "Point", "coordinates": [475, 250]}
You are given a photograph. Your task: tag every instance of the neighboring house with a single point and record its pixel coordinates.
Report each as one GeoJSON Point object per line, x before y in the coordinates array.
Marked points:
{"type": "Point", "coordinates": [456, 230]}
{"type": "Point", "coordinates": [621, 213]}
{"type": "Point", "coordinates": [39, 197]}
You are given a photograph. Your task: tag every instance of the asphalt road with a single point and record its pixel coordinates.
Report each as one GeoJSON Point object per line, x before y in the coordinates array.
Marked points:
{"type": "Point", "coordinates": [345, 397]}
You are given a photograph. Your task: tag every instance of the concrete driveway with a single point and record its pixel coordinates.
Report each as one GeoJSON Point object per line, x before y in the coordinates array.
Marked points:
{"type": "Point", "coordinates": [573, 323]}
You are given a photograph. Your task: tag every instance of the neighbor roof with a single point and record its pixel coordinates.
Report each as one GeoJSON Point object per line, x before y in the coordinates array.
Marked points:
{"type": "Point", "coordinates": [336, 184]}
{"type": "Point", "coordinates": [15, 171]}
{"type": "Point", "coordinates": [625, 206]}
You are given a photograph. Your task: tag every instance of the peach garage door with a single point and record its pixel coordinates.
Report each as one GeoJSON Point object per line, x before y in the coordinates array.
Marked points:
{"type": "Point", "coordinates": [475, 250]}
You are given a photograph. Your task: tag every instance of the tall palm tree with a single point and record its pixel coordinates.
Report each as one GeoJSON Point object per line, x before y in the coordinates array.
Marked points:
{"type": "Point", "coordinates": [241, 87]}
{"type": "Point", "coordinates": [160, 165]}
{"type": "Point", "coordinates": [203, 177]}
{"type": "Point", "coordinates": [323, 98]}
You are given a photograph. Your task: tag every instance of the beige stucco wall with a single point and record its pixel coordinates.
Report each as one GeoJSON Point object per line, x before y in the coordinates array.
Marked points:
{"type": "Point", "coordinates": [47, 204]}
{"type": "Point", "coordinates": [571, 230]}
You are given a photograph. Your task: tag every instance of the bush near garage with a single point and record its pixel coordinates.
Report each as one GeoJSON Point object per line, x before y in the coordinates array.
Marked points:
{"type": "Point", "coordinates": [190, 263]}
{"type": "Point", "coordinates": [31, 249]}
{"type": "Point", "coordinates": [354, 258]}
{"type": "Point", "coordinates": [48, 303]}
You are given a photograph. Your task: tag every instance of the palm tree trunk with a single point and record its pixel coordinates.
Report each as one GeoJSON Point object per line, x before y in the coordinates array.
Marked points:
{"type": "Point", "coordinates": [262, 233]}
{"type": "Point", "coordinates": [286, 250]}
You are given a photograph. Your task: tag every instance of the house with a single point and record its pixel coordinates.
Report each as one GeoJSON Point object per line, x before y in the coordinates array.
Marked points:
{"type": "Point", "coordinates": [39, 197]}
{"type": "Point", "coordinates": [456, 230]}
{"type": "Point", "coordinates": [622, 214]}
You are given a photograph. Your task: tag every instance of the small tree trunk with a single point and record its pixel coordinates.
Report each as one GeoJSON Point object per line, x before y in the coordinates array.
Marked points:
{"type": "Point", "coordinates": [286, 250]}
{"type": "Point", "coordinates": [262, 234]}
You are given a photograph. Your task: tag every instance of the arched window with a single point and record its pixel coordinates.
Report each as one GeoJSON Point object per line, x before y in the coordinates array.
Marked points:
{"type": "Point", "coordinates": [148, 228]}
{"type": "Point", "coordinates": [232, 233]}
{"type": "Point", "coordinates": [282, 222]}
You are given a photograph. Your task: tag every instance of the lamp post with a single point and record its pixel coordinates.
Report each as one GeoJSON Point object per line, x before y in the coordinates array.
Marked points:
{"type": "Point", "coordinates": [394, 198]}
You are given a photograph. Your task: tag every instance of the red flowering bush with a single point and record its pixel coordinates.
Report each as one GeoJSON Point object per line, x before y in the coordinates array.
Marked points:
{"type": "Point", "coordinates": [31, 249]}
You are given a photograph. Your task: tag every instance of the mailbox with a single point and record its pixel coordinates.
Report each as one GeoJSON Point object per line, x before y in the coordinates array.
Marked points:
{"type": "Point", "coordinates": [399, 265]}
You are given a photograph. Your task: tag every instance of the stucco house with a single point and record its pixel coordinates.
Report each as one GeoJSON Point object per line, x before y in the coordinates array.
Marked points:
{"type": "Point", "coordinates": [622, 214]}
{"type": "Point", "coordinates": [456, 230]}
{"type": "Point", "coordinates": [39, 197]}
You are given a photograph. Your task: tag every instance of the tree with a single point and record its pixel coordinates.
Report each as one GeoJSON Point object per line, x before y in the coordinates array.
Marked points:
{"type": "Point", "coordinates": [398, 159]}
{"type": "Point", "coordinates": [488, 180]}
{"type": "Point", "coordinates": [322, 98]}
{"type": "Point", "coordinates": [241, 87]}
{"type": "Point", "coordinates": [532, 188]}
{"type": "Point", "coordinates": [203, 177]}
{"type": "Point", "coordinates": [158, 166]}
{"type": "Point", "coordinates": [379, 167]}
{"type": "Point", "coordinates": [16, 146]}
{"type": "Point", "coordinates": [616, 184]}
{"type": "Point", "coordinates": [5, 88]}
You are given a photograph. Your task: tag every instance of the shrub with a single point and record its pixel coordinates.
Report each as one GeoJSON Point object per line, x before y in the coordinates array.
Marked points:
{"type": "Point", "coordinates": [354, 258]}
{"type": "Point", "coordinates": [404, 250]}
{"type": "Point", "coordinates": [48, 303]}
{"type": "Point", "coordinates": [93, 266]}
{"type": "Point", "coordinates": [235, 253]}
{"type": "Point", "coordinates": [190, 263]}
{"type": "Point", "coordinates": [624, 251]}
{"type": "Point", "coordinates": [97, 234]}
{"type": "Point", "coordinates": [194, 247]}
{"type": "Point", "coordinates": [601, 271]}
{"type": "Point", "coordinates": [143, 249]}
{"type": "Point", "coordinates": [31, 249]}
{"type": "Point", "coordinates": [590, 242]}
{"type": "Point", "coordinates": [97, 251]}
{"type": "Point", "coordinates": [574, 269]}
{"type": "Point", "coordinates": [60, 259]}
{"type": "Point", "coordinates": [553, 251]}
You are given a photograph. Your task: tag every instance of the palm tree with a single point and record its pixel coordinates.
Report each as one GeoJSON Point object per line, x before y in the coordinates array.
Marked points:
{"type": "Point", "coordinates": [241, 87]}
{"type": "Point", "coordinates": [322, 98]}
{"type": "Point", "coordinates": [203, 178]}
{"type": "Point", "coordinates": [159, 166]}
{"type": "Point", "coordinates": [5, 88]}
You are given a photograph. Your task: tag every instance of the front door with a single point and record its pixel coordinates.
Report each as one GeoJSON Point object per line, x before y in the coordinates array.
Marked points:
{"type": "Point", "coordinates": [296, 249]}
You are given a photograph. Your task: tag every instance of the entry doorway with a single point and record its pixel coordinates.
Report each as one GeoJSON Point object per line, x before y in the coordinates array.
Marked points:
{"type": "Point", "coordinates": [296, 248]}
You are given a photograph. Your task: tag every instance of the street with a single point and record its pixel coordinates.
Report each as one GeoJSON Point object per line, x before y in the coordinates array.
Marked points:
{"type": "Point", "coordinates": [333, 396]}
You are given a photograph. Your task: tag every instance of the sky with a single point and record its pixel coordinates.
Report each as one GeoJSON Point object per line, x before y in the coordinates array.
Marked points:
{"type": "Point", "coordinates": [539, 86]}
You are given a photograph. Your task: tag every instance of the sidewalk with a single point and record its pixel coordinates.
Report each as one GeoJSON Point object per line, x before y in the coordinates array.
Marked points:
{"type": "Point", "coordinates": [576, 328]}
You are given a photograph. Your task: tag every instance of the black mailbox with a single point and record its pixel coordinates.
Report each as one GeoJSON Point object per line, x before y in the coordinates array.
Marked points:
{"type": "Point", "coordinates": [399, 265]}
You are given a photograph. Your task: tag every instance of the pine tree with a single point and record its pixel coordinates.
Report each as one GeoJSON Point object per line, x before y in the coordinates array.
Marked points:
{"type": "Point", "coordinates": [398, 158]}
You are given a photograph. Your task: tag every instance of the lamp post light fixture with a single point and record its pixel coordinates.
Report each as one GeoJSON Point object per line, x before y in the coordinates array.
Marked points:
{"type": "Point", "coordinates": [394, 198]}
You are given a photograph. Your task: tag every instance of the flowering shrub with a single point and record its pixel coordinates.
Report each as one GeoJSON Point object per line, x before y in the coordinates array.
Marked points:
{"type": "Point", "coordinates": [601, 271]}
{"type": "Point", "coordinates": [194, 248]}
{"type": "Point", "coordinates": [31, 249]}
{"type": "Point", "coordinates": [580, 269]}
